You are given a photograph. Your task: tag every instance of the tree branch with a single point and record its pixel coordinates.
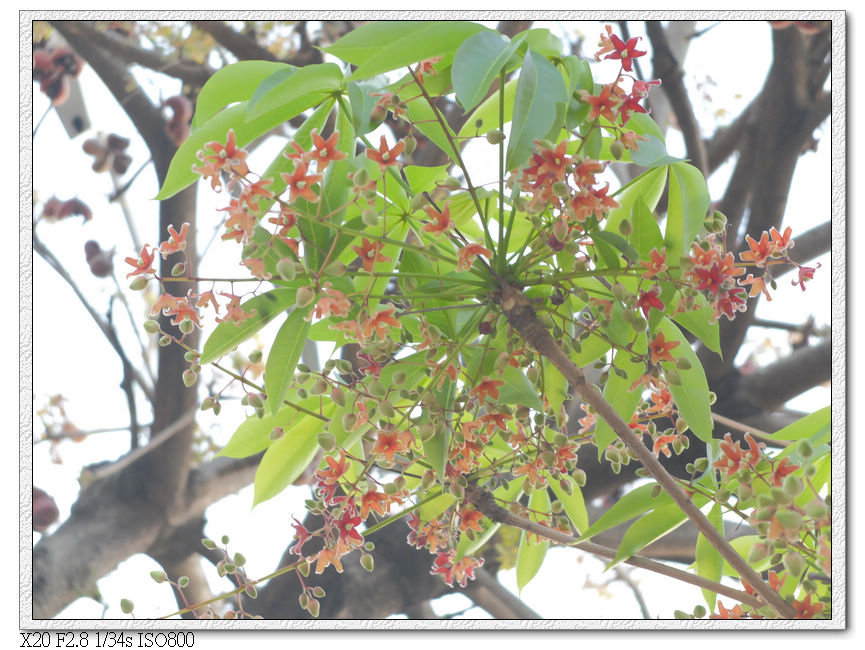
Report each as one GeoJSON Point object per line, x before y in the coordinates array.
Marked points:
{"type": "Point", "coordinates": [240, 45]}
{"type": "Point", "coordinates": [667, 68]}
{"type": "Point", "coordinates": [521, 316]}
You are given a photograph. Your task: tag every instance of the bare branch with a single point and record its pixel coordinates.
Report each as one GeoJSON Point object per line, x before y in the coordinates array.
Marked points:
{"type": "Point", "coordinates": [240, 45]}
{"type": "Point", "coordinates": [490, 595]}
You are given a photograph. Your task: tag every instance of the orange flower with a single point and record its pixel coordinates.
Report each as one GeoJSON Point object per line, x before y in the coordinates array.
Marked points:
{"type": "Point", "coordinates": [370, 253]}
{"type": "Point", "coordinates": [805, 609]}
{"type": "Point", "coordinates": [757, 285]}
{"type": "Point", "coordinates": [469, 519]}
{"type": "Point", "coordinates": [372, 499]}
{"type": "Point", "coordinates": [144, 263]}
{"type": "Point", "coordinates": [657, 263]}
{"type": "Point", "coordinates": [335, 469]}
{"type": "Point", "coordinates": [465, 255]}
{"type": "Point", "coordinates": [488, 387]}
{"type": "Point", "coordinates": [328, 556]}
{"type": "Point", "coordinates": [380, 323]}
{"type": "Point", "coordinates": [602, 105]}
{"type": "Point", "coordinates": [176, 242]}
{"type": "Point", "coordinates": [659, 348]}
{"type": "Point", "coordinates": [735, 613]}
{"type": "Point", "coordinates": [299, 183]}
{"type": "Point", "coordinates": [394, 442]}
{"type": "Point", "coordinates": [760, 251]}
{"type": "Point", "coordinates": [441, 221]}
{"type": "Point", "coordinates": [385, 157]}
{"type": "Point", "coordinates": [661, 443]}
{"type": "Point", "coordinates": [325, 150]}
{"type": "Point", "coordinates": [781, 242]}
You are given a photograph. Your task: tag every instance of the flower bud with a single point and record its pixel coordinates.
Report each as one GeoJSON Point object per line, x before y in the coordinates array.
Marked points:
{"type": "Point", "coordinates": [673, 376]}
{"type": "Point", "coordinates": [158, 576]}
{"type": "Point", "coordinates": [251, 591]}
{"type": "Point", "coordinates": [326, 441]}
{"type": "Point", "coordinates": [617, 149]}
{"type": "Point", "coordinates": [126, 606]}
{"type": "Point", "coordinates": [805, 449]}
{"type": "Point", "coordinates": [759, 552]}
{"type": "Point", "coordinates": [138, 284]}
{"type": "Point", "coordinates": [377, 115]}
{"type": "Point", "coordinates": [369, 217]}
{"type": "Point", "coordinates": [410, 143]}
{"type": "Point", "coordinates": [318, 592]}
{"type": "Point", "coordinates": [186, 326]}
{"type": "Point", "coordinates": [305, 297]}
{"type": "Point", "coordinates": [789, 519]}
{"type": "Point", "coordinates": [579, 477]}
{"type": "Point", "coordinates": [626, 227]}
{"type": "Point", "coordinates": [495, 136]}
{"type": "Point", "coordinates": [816, 509]}
{"type": "Point", "coordinates": [349, 421]}
{"type": "Point", "coordinates": [183, 582]}
{"type": "Point", "coordinates": [178, 269]}
{"type": "Point", "coordinates": [276, 433]}
{"type": "Point", "coordinates": [683, 364]}
{"type": "Point", "coordinates": [313, 607]}
{"type": "Point", "coordinates": [189, 378]}
{"type": "Point", "coordinates": [367, 562]}
{"type": "Point", "coordinates": [286, 269]}
{"type": "Point", "coordinates": [151, 326]}
{"type": "Point", "coordinates": [793, 485]}
{"type": "Point", "coordinates": [427, 480]}
{"type": "Point", "coordinates": [793, 563]}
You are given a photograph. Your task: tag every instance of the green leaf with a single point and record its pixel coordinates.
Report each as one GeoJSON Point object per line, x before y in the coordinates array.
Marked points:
{"type": "Point", "coordinates": [646, 234]}
{"type": "Point", "coordinates": [579, 74]}
{"type": "Point", "coordinates": [488, 113]}
{"type": "Point", "coordinates": [283, 357]}
{"type": "Point", "coordinates": [378, 47]}
{"type": "Point", "coordinates": [423, 178]}
{"type": "Point", "coordinates": [708, 560]}
{"type": "Point", "coordinates": [290, 92]}
{"type": "Point", "coordinates": [264, 308]}
{"type": "Point", "coordinates": [575, 505]}
{"type": "Point", "coordinates": [648, 529]}
{"type": "Point", "coordinates": [432, 508]}
{"type": "Point", "coordinates": [477, 63]}
{"type": "Point", "coordinates": [646, 188]}
{"type": "Point", "coordinates": [362, 104]}
{"type": "Point", "coordinates": [436, 448]}
{"type": "Point", "coordinates": [617, 392]}
{"type": "Point", "coordinates": [692, 395]}
{"type": "Point", "coordinates": [618, 242]}
{"type": "Point", "coordinates": [653, 153]}
{"type": "Point", "coordinates": [530, 555]}
{"type": "Point", "coordinates": [235, 82]}
{"type": "Point", "coordinates": [632, 504]}
{"type": "Point", "coordinates": [539, 103]}
{"type": "Point", "coordinates": [699, 323]}
{"type": "Point", "coordinates": [687, 208]}
{"type": "Point", "coordinates": [517, 389]}
{"type": "Point", "coordinates": [541, 41]}
{"type": "Point", "coordinates": [287, 457]}
{"type": "Point", "coordinates": [555, 386]}
{"type": "Point", "coordinates": [805, 427]}
{"type": "Point", "coordinates": [425, 121]}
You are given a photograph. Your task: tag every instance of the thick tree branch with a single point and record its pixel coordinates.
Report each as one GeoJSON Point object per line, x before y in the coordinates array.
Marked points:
{"type": "Point", "coordinates": [240, 45]}
{"type": "Point", "coordinates": [193, 74]}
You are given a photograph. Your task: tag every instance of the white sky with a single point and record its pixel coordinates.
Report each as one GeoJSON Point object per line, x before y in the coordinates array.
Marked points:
{"type": "Point", "coordinates": [76, 345]}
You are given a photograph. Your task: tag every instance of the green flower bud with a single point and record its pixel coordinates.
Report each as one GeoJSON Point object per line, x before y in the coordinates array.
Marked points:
{"type": "Point", "coordinates": [617, 149]}
{"type": "Point", "coordinates": [759, 552]}
{"type": "Point", "coordinates": [452, 183]}
{"type": "Point", "coordinates": [361, 177]}
{"type": "Point", "coordinates": [626, 227]}
{"type": "Point", "coordinates": [427, 480]}
{"type": "Point", "coordinates": [335, 269]}
{"type": "Point", "coordinates": [386, 408]}
{"type": "Point", "coordinates": [159, 576]}
{"type": "Point", "coordinates": [789, 519]}
{"type": "Point", "coordinates": [349, 421]}
{"type": "Point", "coordinates": [744, 492]}
{"type": "Point", "coordinates": [561, 189]}
{"type": "Point", "coordinates": [656, 490]}
{"type": "Point", "coordinates": [793, 563]}
{"type": "Point", "coordinates": [276, 433]}
{"type": "Point", "coordinates": [138, 284]}
{"type": "Point", "coordinates": [251, 591]}
{"type": "Point", "coordinates": [318, 592]}
{"type": "Point", "coordinates": [126, 606]}
{"type": "Point", "coordinates": [189, 378]}
{"type": "Point", "coordinates": [305, 297]}
{"type": "Point", "coordinates": [326, 441]}
{"type": "Point", "coordinates": [495, 136]}
{"type": "Point", "coordinates": [151, 326]}
{"type": "Point", "coordinates": [683, 364]}
{"type": "Point", "coordinates": [579, 477]}
{"type": "Point", "coordinates": [816, 509]}
{"type": "Point", "coordinates": [673, 376]}
{"type": "Point", "coordinates": [286, 269]}
{"type": "Point", "coordinates": [377, 115]}
{"type": "Point", "coordinates": [367, 562]}
{"type": "Point", "coordinates": [178, 269]}
{"type": "Point", "coordinates": [410, 143]}
{"type": "Point", "coordinates": [805, 449]}
{"type": "Point", "coordinates": [699, 611]}
{"type": "Point", "coordinates": [319, 387]}
{"type": "Point", "coordinates": [369, 217]}
{"type": "Point", "coordinates": [313, 607]}
{"type": "Point", "coordinates": [793, 485]}
{"type": "Point", "coordinates": [337, 395]}
{"type": "Point", "coordinates": [183, 582]}
{"type": "Point", "coordinates": [418, 202]}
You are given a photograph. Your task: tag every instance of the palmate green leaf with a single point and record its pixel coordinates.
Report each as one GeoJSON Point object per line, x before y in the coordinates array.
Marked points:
{"type": "Point", "coordinates": [283, 357]}
{"type": "Point", "coordinates": [539, 107]}
{"type": "Point", "coordinates": [617, 392]}
{"type": "Point", "coordinates": [477, 63]}
{"type": "Point", "coordinates": [530, 555]}
{"type": "Point", "coordinates": [650, 528]}
{"type": "Point", "coordinates": [692, 395]}
{"type": "Point", "coordinates": [362, 103]}
{"type": "Point", "coordinates": [290, 92]}
{"type": "Point", "coordinates": [436, 448]}
{"type": "Point", "coordinates": [708, 560]}
{"type": "Point", "coordinates": [424, 119]}
{"type": "Point", "coordinates": [235, 82]}
{"type": "Point", "coordinates": [541, 41]}
{"type": "Point", "coordinates": [633, 504]}
{"type": "Point", "coordinates": [286, 458]}
{"type": "Point", "coordinates": [264, 308]}
{"type": "Point", "coordinates": [378, 47]}
{"type": "Point", "coordinates": [618, 242]}
{"type": "Point", "coordinates": [653, 153]}
{"type": "Point", "coordinates": [422, 178]}
{"type": "Point", "coordinates": [555, 386]}
{"type": "Point", "coordinates": [687, 208]}
{"type": "Point", "coordinates": [517, 389]}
